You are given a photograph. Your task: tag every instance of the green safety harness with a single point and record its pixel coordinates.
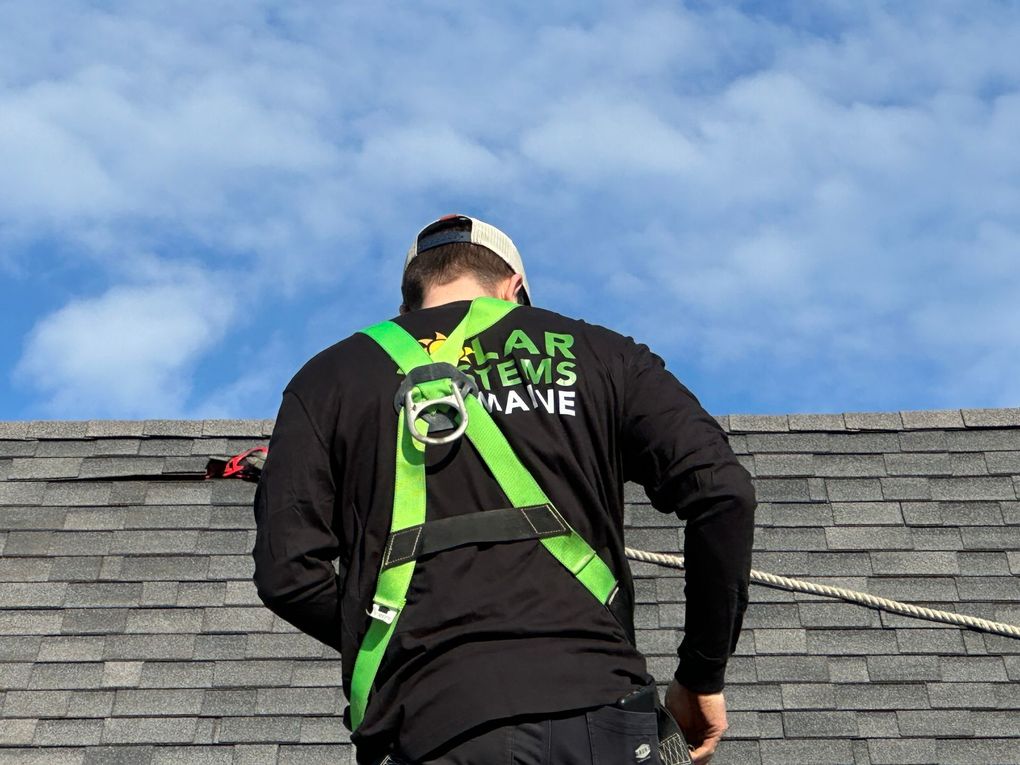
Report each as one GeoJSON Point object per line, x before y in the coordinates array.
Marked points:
{"type": "Point", "coordinates": [433, 397]}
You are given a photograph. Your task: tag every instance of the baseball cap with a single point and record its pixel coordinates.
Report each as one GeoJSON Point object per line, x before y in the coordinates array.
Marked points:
{"type": "Point", "coordinates": [462, 228]}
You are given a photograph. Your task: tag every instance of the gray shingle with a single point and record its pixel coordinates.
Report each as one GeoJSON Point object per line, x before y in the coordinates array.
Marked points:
{"type": "Point", "coordinates": [972, 488]}
{"type": "Point", "coordinates": [757, 443]}
{"type": "Point", "coordinates": [807, 696]}
{"type": "Point", "coordinates": [165, 447]}
{"type": "Point", "coordinates": [782, 490]}
{"type": "Point", "coordinates": [814, 564]}
{"type": "Point", "coordinates": [105, 467]}
{"type": "Point", "coordinates": [929, 640]}
{"type": "Point", "coordinates": [836, 614]}
{"type": "Point", "coordinates": [157, 702]}
{"type": "Point", "coordinates": [113, 428]}
{"type": "Point", "coordinates": [997, 723]}
{"type": "Point", "coordinates": [163, 567]}
{"type": "Point", "coordinates": [233, 428]}
{"type": "Point", "coordinates": [914, 588]}
{"type": "Point", "coordinates": [932, 419]}
{"type": "Point", "coordinates": [154, 647]}
{"type": "Point", "coordinates": [30, 622]}
{"type": "Point", "coordinates": [873, 420]}
{"type": "Point", "coordinates": [169, 517]}
{"type": "Point", "coordinates": [75, 568]}
{"type": "Point", "coordinates": [971, 695]}
{"type": "Point", "coordinates": [902, 752]}
{"type": "Point", "coordinates": [905, 488]}
{"type": "Point", "coordinates": [968, 463]}
{"type": "Point", "coordinates": [223, 542]}
{"type": "Point", "coordinates": [155, 541]}
{"type": "Point", "coordinates": [989, 588]}
{"type": "Point", "coordinates": [815, 724]}
{"type": "Point", "coordinates": [923, 441]}
{"type": "Point", "coordinates": [299, 701]}
{"type": "Point", "coordinates": [885, 696]}
{"type": "Point", "coordinates": [119, 755]}
{"type": "Point", "coordinates": [849, 465]}
{"type": "Point", "coordinates": [936, 538]}
{"type": "Point", "coordinates": [18, 448]}
{"type": "Point", "coordinates": [998, 462]}
{"type": "Point", "coordinates": [935, 722]}
{"type": "Point", "coordinates": [173, 428]}
{"type": "Point", "coordinates": [982, 440]}
{"type": "Point", "coordinates": [33, 468]}
{"type": "Point", "coordinates": [323, 730]}
{"type": "Point", "coordinates": [848, 669]}
{"type": "Point", "coordinates": [973, 669]}
{"type": "Point", "coordinates": [60, 676]}
{"type": "Point", "coordinates": [92, 519]}
{"type": "Point", "coordinates": [318, 673]}
{"type": "Point", "coordinates": [992, 418]}
{"type": "Point", "coordinates": [312, 754]}
{"type": "Point", "coordinates": [32, 594]}
{"type": "Point", "coordinates": [14, 675]}
{"type": "Point", "coordinates": [268, 729]}
{"type": "Point", "coordinates": [65, 448]}
{"type": "Point", "coordinates": [227, 646]}
{"type": "Point", "coordinates": [784, 641]}
{"type": "Point", "coordinates": [806, 751]}
{"type": "Point", "coordinates": [115, 447]}
{"type": "Point", "coordinates": [35, 704]}
{"type": "Point", "coordinates": [983, 563]}
{"type": "Point", "coordinates": [21, 493]}
{"type": "Point", "coordinates": [68, 732]}
{"type": "Point", "coordinates": [799, 538]}
{"type": "Point", "coordinates": [763, 423]}
{"type": "Point", "coordinates": [179, 493]}
{"type": "Point", "coordinates": [919, 464]}
{"type": "Point", "coordinates": [67, 494]}
{"type": "Point", "coordinates": [816, 422]}
{"type": "Point", "coordinates": [19, 647]}
{"type": "Point", "coordinates": [263, 673]}
{"type": "Point", "coordinates": [57, 429]}
{"type": "Point", "coordinates": [793, 514]}
{"type": "Point", "coordinates": [849, 642]}
{"type": "Point", "coordinates": [156, 730]}
{"type": "Point", "coordinates": [1010, 512]}
{"type": "Point", "coordinates": [17, 732]}
{"type": "Point", "coordinates": [867, 513]}
{"type": "Point", "coordinates": [243, 620]}
{"type": "Point", "coordinates": [856, 489]}
{"type": "Point", "coordinates": [11, 430]}
{"type": "Point", "coordinates": [93, 621]}
{"type": "Point", "coordinates": [159, 594]}
{"type": "Point", "coordinates": [991, 538]}
{"type": "Point", "coordinates": [71, 648]}
{"type": "Point", "coordinates": [233, 493]}
{"type": "Point", "coordinates": [790, 668]}
{"type": "Point", "coordinates": [25, 569]}
{"type": "Point", "coordinates": [864, 537]}
{"type": "Point", "coordinates": [784, 464]}
{"type": "Point", "coordinates": [103, 594]}
{"type": "Point", "coordinates": [915, 562]}
{"type": "Point", "coordinates": [176, 674]}
{"type": "Point", "coordinates": [902, 668]}
{"type": "Point", "coordinates": [164, 620]}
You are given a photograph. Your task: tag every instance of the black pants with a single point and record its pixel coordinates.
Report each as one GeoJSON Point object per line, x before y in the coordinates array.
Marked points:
{"type": "Point", "coordinates": [603, 736]}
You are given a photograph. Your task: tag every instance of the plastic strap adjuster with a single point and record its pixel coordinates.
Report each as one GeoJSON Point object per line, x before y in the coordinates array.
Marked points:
{"type": "Point", "coordinates": [385, 614]}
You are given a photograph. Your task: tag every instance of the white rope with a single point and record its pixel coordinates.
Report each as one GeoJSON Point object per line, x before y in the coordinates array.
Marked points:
{"type": "Point", "coordinates": [862, 598]}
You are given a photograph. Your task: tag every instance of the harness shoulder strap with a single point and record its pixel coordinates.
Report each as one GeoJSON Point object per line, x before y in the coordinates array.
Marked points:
{"type": "Point", "coordinates": [569, 548]}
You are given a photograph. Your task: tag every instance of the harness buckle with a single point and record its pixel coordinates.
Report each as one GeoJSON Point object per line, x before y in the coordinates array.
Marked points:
{"type": "Point", "coordinates": [383, 613]}
{"type": "Point", "coordinates": [430, 409]}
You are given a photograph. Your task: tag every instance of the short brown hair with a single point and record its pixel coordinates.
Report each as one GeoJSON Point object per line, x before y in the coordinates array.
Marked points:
{"type": "Point", "coordinates": [442, 264]}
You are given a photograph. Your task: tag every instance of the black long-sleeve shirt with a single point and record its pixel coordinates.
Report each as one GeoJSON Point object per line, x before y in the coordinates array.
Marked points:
{"type": "Point", "coordinates": [502, 630]}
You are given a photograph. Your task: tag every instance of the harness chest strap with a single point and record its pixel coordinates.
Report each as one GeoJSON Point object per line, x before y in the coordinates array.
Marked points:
{"type": "Point", "coordinates": [520, 487]}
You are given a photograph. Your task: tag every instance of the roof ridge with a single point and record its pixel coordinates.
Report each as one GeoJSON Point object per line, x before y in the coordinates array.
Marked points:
{"type": "Point", "coordinates": [917, 419]}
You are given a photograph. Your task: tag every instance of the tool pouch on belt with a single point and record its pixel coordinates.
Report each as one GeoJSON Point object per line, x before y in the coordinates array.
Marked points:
{"type": "Point", "coordinates": [673, 748]}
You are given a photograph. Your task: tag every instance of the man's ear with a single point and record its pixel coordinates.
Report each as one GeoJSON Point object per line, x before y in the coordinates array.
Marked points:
{"type": "Point", "coordinates": [511, 287]}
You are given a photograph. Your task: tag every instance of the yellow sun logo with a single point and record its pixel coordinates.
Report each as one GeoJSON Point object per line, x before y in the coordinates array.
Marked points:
{"type": "Point", "coordinates": [434, 344]}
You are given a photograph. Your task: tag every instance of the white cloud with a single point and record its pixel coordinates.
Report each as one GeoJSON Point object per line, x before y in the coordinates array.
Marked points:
{"type": "Point", "coordinates": [128, 352]}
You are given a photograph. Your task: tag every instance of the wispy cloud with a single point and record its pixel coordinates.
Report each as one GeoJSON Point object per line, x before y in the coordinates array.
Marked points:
{"type": "Point", "coordinates": [803, 209]}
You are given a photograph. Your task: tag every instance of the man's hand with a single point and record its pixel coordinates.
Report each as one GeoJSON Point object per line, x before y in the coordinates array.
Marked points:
{"type": "Point", "coordinates": [702, 718]}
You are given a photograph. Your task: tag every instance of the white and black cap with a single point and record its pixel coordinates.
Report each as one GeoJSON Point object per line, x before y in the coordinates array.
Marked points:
{"type": "Point", "coordinates": [461, 228]}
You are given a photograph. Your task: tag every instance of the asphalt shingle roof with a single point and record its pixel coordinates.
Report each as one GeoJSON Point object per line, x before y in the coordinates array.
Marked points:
{"type": "Point", "coordinates": [130, 630]}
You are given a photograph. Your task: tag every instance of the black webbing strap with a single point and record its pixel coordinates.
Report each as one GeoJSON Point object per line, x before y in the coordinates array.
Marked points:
{"type": "Point", "coordinates": [511, 524]}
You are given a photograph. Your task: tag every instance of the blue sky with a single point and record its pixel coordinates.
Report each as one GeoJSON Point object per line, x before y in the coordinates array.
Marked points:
{"type": "Point", "coordinates": [803, 207]}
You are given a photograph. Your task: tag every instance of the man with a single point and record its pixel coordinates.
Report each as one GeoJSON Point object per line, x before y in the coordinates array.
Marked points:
{"type": "Point", "coordinates": [492, 646]}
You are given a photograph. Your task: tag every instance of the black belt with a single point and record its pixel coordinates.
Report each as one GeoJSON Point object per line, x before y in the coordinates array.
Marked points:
{"type": "Point", "coordinates": [511, 524]}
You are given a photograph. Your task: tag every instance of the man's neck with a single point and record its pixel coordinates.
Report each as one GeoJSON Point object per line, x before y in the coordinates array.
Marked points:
{"type": "Point", "coordinates": [463, 288]}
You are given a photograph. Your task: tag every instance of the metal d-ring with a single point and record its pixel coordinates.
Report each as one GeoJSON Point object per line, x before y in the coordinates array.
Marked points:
{"type": "Point", "coordinates": [416, 410]}
{"type": "Point", "coordinates": [462, 385]}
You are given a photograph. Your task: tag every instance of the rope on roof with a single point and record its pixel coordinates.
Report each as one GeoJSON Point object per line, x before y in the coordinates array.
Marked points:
{"type": "Point", "coordinates": [861, 598]}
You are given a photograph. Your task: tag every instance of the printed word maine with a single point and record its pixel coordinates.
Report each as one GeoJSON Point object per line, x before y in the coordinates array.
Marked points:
{"type": "Point", "coordinates": [511, 382]}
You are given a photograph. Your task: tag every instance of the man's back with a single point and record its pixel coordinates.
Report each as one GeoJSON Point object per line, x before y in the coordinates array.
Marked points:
{"type": "Point", "coordinates": [498, 630]}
